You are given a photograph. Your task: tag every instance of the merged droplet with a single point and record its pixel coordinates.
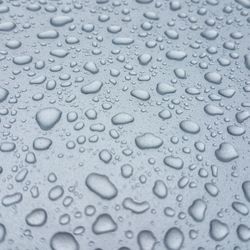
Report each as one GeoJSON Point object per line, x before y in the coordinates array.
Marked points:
{"type": "Point", "coordinates": [7, 26]}
{"type": "Point", "coordinates": [140, 94]}
{"type": "Point", "coordinates": [60, 21]}
{"type": "Point", "coordinates": [103, 224]}
{"type": "Point", "coordinates": [12, 199]}
{"type": "Point", "coordinates": [218, 230]}
{"type": "Point", "coordinates": [92, 87]}
{"type": "Point", "coordinates": [7, 146]}
{"type": "Point", "coordinates": [146, 240]}
{"type": "Point", "coordinates": [42, 143]}
{"type": "Point", "coordinates": [160, 189]}
{"type": "Point", "coordinates": [21, 60]}
{"type": "Point", "coordinates": [226, 152]}
{"type": "Point", "coordinates": [48, 34]}
{"type": "Point", "coordinates": [197, 210]}
{"type": "Point", "coordinates": [101, 186]}
{"type": "Point", "coordinates": [122, 118]}
{"type": "Point", "coordinates": [48, 117]}
{"type": "Point", "coordinates": [174, 162]}
{"type": "Point", "coordinates": [213, 77]}
{"type": "Point", "coordinates": [148, 141]}
{"type": "Point", "coordinates": [176, 55]}
{"type": "Point", "coordinates": [243, 232]}
{"type": "Point", "coordinates": [137, 207]}
{"type": "Point", "coordinates": [164, 88]}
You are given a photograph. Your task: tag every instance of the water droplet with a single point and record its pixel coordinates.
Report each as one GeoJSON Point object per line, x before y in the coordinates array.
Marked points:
{"type": "Point", "coordinates": [36, 217]}
{"type": "Point", "coordinates": [148, 141]}
{"type": "Point", "coordinates": [63, 240]}
{"type": "Point", "coordinates": [174, 239]}
{"type": "Point", "coordinates": [103, 224]}
{"type": "Point", "coordinates": [101, 186]}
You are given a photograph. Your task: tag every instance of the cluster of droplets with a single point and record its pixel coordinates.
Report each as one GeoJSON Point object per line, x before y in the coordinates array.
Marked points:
{"type": "Point", "coordinates": [125, 124]}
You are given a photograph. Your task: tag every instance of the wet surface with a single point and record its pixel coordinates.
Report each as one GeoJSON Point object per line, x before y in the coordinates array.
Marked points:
{"type": "Point", "coordinates": [124, 125]}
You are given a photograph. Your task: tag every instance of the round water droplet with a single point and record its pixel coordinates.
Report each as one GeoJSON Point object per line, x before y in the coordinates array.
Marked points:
{"type": "Point", "coordinates": [36, 217]}
{"type": "Point", "coordinates": [174, 239]}
{"type": "Point", "coordinates": [64, 241]}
